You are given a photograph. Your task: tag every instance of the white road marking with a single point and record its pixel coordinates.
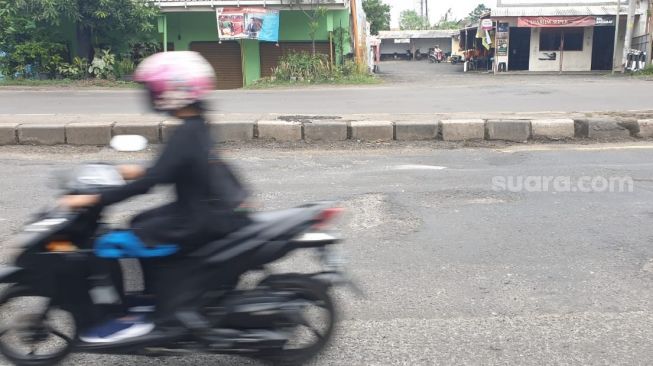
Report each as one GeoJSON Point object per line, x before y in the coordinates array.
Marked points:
{"type": "Point", "coordinates": [419, 167]}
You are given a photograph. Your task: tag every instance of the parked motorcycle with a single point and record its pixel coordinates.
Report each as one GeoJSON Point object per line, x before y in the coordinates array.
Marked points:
{"type": "Point", "coordinates": [57, 286]}
{"type": "Point", "coordinates": [456, 59]}
{"type": "Point", "coordinates": [418, 55]}
{"type": "Point", "coordinates": [436, 56]}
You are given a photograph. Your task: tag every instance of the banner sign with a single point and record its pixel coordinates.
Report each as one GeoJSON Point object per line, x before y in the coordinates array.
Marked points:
{"type": "Point", "coordinates": [552, 22]}
{"type": "Point", "coordinates": [487, 24]}
{"type": "Point", "coordinates": [248, 23]}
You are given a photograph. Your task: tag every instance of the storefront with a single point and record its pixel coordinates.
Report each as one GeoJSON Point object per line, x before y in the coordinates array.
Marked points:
{"type": "Point", "coordinates": [556, 43]}
{"type": "Point", "coordinates": [238, 61]}
{"type": "Point", "coordinates": [557, 38]}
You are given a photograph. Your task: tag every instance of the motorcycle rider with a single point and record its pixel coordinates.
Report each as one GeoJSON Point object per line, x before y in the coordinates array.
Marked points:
{"type": "Point", "coordinates": [437, 52]}
{"type": "Point", "coordinates": [207, 192]}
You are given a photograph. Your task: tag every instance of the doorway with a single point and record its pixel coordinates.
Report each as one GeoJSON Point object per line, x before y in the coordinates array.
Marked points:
{"type": "Point", "coordinates": [602, 48]}
{"type": "Point", "coordinates": [520, 49]}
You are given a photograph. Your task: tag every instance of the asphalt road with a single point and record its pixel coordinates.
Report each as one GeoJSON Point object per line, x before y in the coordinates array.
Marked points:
{"type": "Point", "coordinates": [456, 272]}
{"type": "Point", "coordinates": [409, 87]}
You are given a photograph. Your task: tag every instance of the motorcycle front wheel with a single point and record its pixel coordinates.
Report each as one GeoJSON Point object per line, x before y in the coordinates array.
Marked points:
{"type": "Point", "coordinates": [307, 340]}
{"type": "Point", "coordinates": [32, 332]}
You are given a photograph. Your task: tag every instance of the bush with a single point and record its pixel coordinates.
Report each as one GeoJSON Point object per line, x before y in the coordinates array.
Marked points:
{"type": "Point", "coordinates": [76, 71]}
{"type": "Point", "coordinates": [124, 67]}
{"type": "Point", "coordinates": [648, 71]}
{"type": "Point", "coordinates": [303, 67]}
{"type": "Point", "coordinates": [30, 58]}
{"type": "Point", "coordinates": [102, 66]}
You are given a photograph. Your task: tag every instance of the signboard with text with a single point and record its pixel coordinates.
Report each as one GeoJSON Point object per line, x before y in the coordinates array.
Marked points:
{"type": "Point", "coordinates": [576, 21]}
{"type": "Point", "coordinates": [248, 23]}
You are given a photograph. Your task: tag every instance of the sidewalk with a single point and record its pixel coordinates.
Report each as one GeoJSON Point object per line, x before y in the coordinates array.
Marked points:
{"type": "Point", "coordinates": [40, 129]}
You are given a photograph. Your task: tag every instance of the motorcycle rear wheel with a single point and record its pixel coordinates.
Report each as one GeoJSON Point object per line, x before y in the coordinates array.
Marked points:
{"type": "Point", "coordinates": [33, 326]}
{"type": "Point", "coordinates": [316, 293]}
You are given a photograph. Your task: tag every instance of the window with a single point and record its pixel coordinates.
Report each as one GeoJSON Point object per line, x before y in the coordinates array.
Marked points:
{"type": "Point", "coordinates": [551, 38]}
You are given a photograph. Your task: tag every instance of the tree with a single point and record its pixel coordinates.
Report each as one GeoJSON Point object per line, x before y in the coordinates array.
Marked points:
{"type": "Point", "coordinates": [314, 11]}
{"type": "Point", "coordinates": [410, 20]}
{"type": "Point", "coordinates": [378, 14]}
{"type": "Point", "coordinates": [478, 12]}
{"type": "Point", "coordinates": [447, 23]}
{"type": "Point", "coordinates": [98, 23]}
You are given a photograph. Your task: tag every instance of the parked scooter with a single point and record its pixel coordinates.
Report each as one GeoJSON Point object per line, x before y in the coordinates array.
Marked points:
{"type": "Point", "coordinates": [636, 60]}
{"type": "Point", "coordinates": [436, 56]}
{"type": "Point", "coordinates": [59, 266]}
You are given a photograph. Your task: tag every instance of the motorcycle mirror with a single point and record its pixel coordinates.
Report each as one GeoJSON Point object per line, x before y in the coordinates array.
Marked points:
{"type": "Point", "coordinates": [128, 143]}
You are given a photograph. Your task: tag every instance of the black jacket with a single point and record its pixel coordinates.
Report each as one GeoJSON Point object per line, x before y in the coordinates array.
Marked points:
{"type": "Point", "coordinates": [207, 192]}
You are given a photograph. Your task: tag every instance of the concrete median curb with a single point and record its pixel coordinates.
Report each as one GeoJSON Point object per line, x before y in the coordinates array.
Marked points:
{"type": "Point", "coordinates": [98, 130]}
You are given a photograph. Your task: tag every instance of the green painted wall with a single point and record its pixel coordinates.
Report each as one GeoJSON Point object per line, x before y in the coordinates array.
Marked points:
{"type": "Point", "coordinates": [187, 27]}
{"type": "Point", "coordinates": [251, 60]}
{"type": "Point", "coordinates": [184, 28]}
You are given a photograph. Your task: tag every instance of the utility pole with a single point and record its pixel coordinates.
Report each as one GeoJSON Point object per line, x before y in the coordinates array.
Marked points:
{"type": "Point", "coordinates": [426, 11]}
{"type": "Point", "coordinates": [615, 57]}
{"type": "Point", "coordinates": [630, 24]}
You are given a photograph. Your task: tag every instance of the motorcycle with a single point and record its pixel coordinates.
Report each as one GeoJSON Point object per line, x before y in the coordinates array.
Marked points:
{"type": "Point", "coordinates": [418, 55]}
{"type": "Point", "coordinates": [436, 56]}
{"type": "Point", "coordinates": [57, 286]}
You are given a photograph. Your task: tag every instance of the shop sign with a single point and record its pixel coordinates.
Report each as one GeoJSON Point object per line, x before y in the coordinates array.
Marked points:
{"type": "Point", "coordinates": [503, 27]}
{"type": "Point", "coordinates": [551, 22]}
{"type": "Point", "coordinates": [604, 21]}
{"type": "Point", "coordinates": [487, 24]}
{"type": "Point", "coordinates": [248, 23]}
{"type": "Point", "coordinates": [502, 43]}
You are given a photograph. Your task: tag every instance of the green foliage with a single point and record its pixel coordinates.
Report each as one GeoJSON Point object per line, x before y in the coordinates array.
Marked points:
{"type": "Point", "coordinates": [340, 37]}
{"type": "Point", "coordinates": [75, 71]}
{"type": "Point", "coordinates": [378, 14]}
{"type": "Point", "coordinates": [648, 71]}
{"type": "Point", "coordinates": [308, 68]}
{"type": "Point", "coordinates": [115, 24]}
{"type": "Point", "coordinates": [29, 58]}
{"type": "Point", "coordinates": [303, 67]}
{"type": "Point", "coordinates": [124, 67]}
{"type": "Point", "coordinates": [102, 66]}
{"type": "Point", "coordinates": [410, 20]}
{"type": "Point", "coordinates": [478, 12]}
{"type": "Point", "coordinates": [446, 22]}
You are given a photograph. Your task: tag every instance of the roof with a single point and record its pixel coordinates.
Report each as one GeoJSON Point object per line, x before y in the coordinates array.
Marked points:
{"type": "Point", "coordinates": [404, 34]}
{"type": "Point", "coordinates": [221, 3]}
{"type": "Point", "coordinates": [520, 11]}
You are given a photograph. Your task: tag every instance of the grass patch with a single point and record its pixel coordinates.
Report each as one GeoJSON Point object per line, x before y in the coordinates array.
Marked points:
{"type": "Point", "coordinates": [67, 83]}
{"type": "Point", "coordinates": [648, 71]}
{"type": "Point", "coordinates": [268, 83]}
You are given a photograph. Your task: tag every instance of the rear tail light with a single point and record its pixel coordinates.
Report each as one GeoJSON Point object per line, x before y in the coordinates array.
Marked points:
{"type": "Point", "coordinates": [327, 216]}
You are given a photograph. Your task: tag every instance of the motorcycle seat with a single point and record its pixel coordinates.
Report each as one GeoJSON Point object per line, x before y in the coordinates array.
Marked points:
{"type": "Point", "coordinates": [126, 244]}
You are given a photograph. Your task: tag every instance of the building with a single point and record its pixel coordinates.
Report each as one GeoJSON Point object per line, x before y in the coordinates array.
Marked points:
{"type": "Point", "coordinates": [193, 25]}
{"type": "Point", "coordinates": [553, 35]}
{"type": "Point", "coordinates": [394, 44]}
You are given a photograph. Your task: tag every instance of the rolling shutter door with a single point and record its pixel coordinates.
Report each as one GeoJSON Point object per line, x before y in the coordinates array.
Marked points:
{"type": "Point", "coordinates": [270, 53]}
{"type": "Point", "coordinates": [226, 60]}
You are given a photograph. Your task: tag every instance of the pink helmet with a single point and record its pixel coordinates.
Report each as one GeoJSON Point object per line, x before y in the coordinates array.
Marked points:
{"type": "Point", "coordinates": [176, 79]}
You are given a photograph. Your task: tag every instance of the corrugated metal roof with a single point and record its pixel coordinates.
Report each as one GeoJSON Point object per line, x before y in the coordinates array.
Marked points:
{"type": "Point", "coordinates": [519, 11]}
{"type": "Point", "coordinates": [219, 3]}
{"type": "Point", "coordinates": [417, 34]}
